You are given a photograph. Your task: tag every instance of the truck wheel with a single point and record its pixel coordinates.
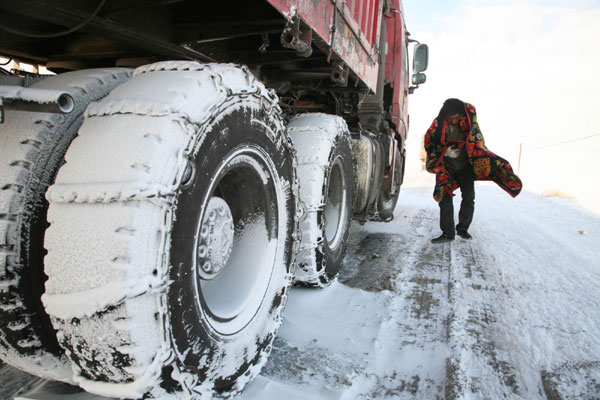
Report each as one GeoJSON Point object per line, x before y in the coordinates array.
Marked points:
{"type": "Point", "coordinates": [386, 203]}
{"type": "Point", "coordinates": [172, 232]}
{"type": "Point", "coordinates": [326, 178]}
{"type": "Point", "coordinates": [32, 146]}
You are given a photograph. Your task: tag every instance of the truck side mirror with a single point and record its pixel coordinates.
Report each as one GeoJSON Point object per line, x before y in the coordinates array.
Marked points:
{"type": "Point", "coordinates": [418, 79]}
{"type": "Point", "coordinates": [420, 58]}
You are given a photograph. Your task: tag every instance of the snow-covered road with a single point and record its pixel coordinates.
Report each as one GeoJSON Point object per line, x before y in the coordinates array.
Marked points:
{"type": "Point", "coordinates": [513, 313]}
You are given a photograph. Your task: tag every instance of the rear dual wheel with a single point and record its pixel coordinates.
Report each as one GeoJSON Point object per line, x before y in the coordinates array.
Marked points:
{"type": "Point", "coordinates": [387, 200]}
{"type": "Point", "coordinates": [32, 147]}
{"type": "Point", "coordinates": [179, 211]}
{"type": "Point", "coordinates": [326, 178]}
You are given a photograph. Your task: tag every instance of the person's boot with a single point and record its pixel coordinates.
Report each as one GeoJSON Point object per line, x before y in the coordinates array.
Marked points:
{"type": "Point", "coordinates": [464, 234]}
{"type": "Point", "coordinates": [442, 239]}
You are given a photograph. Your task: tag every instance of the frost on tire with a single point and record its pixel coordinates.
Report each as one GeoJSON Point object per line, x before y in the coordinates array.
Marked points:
{"type": "Point", "coordinates": [326, 179]}
{"type": "Point", "coordinates": [32, 146]}
{"type": "Point", "coordinates": [178, 201]}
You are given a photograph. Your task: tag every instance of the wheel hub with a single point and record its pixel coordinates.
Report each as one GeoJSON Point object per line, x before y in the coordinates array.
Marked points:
{"type": "Point", "coordinates": [216, 239]}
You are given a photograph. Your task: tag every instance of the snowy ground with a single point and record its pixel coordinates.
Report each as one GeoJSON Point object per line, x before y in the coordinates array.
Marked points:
{"type": "Point", "coordinates": [513, 313]}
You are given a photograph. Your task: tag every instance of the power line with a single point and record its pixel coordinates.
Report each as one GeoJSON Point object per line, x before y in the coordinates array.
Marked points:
{"type": "Point", "coordinates": [559, 143]}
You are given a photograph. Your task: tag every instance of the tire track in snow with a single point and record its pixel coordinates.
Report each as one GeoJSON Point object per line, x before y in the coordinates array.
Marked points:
{"type": "Point", "coordinates": [406, 362]}
{"type": "Point", "coordinates": [15, 382]}
{"type": "Point", "coordinates": [439, 337]}
{"type": "Point", "coordinates": [476, 368]}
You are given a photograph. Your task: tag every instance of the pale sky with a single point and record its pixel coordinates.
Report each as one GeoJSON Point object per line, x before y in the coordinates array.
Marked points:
{"type": "Point", "coordinates": [532, 70]}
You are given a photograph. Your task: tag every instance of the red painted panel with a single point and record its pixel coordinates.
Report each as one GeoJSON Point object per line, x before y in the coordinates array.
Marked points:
{"type": "Point", "coordinates": [367, 17]}
{"type": "Point", "coordinates": [375, 24]}
{"type": "Point", "coordinates": [350, 4]}
{"type": "Point", "coordinates": [394, 70]}
{"type": "Point", "coordinates": [349, 43]}
{"type": "Point", "coordinates": [359, 11]}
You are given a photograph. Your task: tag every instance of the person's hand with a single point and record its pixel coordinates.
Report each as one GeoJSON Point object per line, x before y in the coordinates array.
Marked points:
{"type": "Point", "coordinates": [453, 151]}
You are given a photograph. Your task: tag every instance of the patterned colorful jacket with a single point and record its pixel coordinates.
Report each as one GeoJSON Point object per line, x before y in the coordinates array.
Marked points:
{"type": "Point", "coordinates": [486, 165]}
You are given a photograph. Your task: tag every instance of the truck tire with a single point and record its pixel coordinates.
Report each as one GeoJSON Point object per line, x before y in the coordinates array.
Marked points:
{"type": "Point", "coordinates": [32, 146]}
{"type": "Point", "coordinates": [326, 178]}
{"type": "Point", "coordinates": [387, 200]}
{"type": "Point", "coordinates": [178, 205]}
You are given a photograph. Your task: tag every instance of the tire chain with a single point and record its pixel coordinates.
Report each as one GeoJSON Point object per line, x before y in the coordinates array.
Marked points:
{"type": "Point", "coordinates": [341, 126]}
{"type": "Point", "coordinates": [165, 196]}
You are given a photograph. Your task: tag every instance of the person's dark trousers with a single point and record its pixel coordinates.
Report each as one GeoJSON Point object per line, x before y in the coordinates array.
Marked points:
{"type": "Point", "coordinates": [466, 180]}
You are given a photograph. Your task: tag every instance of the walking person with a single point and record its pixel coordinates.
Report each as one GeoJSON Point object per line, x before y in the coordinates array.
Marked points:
{"type": "Point", "coordinates": [457, 155]}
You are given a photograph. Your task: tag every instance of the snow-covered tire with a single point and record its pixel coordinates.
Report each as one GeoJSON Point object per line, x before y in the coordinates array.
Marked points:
{"type": "Point", "coordinates": [32, 147]}
{"type": "Point", "coordinates": [387, 200]}
{"type": "Point", "coordinates": [179, 152]}
{"type": "Point", "coordinates": [326, 178]}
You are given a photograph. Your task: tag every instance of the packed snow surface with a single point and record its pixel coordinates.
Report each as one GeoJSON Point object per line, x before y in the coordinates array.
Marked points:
{"type": "Point", "coordinates": [512, 313]}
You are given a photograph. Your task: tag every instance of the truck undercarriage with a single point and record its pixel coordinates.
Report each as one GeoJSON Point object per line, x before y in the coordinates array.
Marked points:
{"type": "Point", "coordinates": [134, 33]}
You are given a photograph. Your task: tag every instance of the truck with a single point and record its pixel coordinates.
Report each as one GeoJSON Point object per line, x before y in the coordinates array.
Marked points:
{"type": "Point", "coordinates": [186, 163]}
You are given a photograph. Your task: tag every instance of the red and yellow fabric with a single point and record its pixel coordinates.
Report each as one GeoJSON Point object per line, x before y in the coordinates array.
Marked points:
{"type": "Point", "coordinates": [486, 165]}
